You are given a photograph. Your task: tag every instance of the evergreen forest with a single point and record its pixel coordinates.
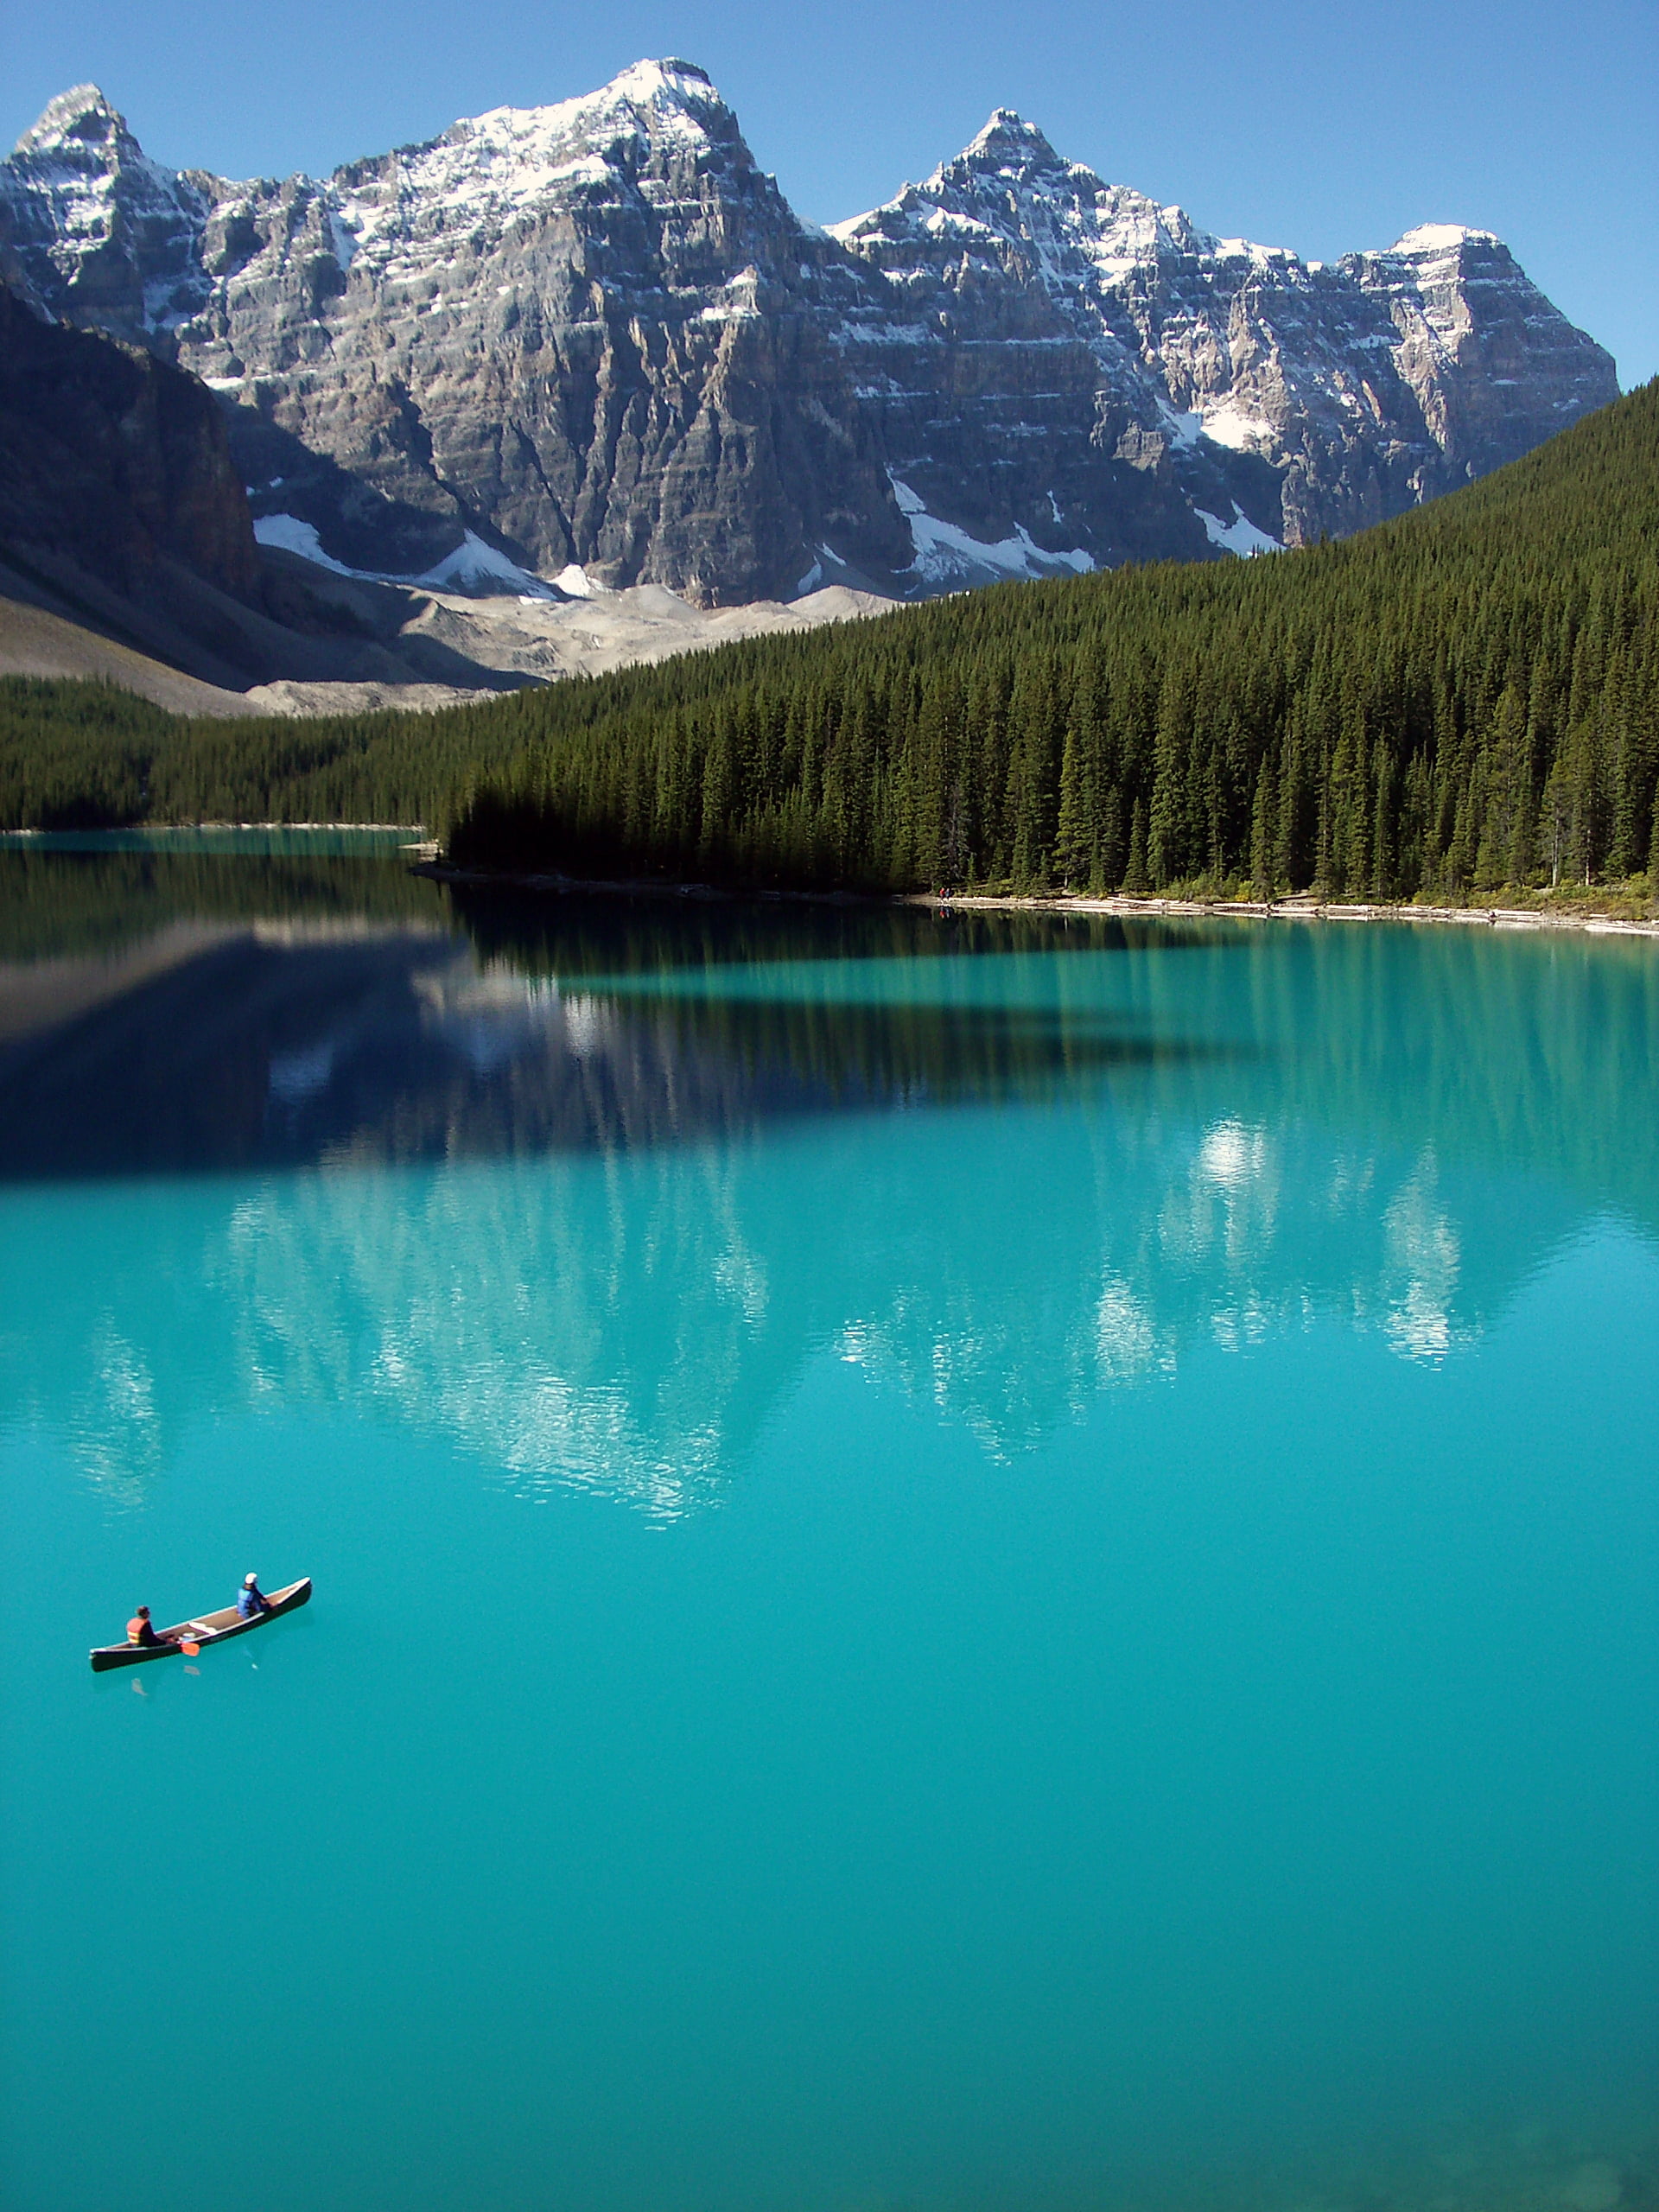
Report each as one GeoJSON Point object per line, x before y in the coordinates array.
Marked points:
{"type": "Point", "coordinates": [1459, 702]}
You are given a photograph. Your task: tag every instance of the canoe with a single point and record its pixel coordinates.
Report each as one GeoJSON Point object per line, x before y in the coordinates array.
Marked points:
{"type": "Point", "coordinates": [204, 1629]}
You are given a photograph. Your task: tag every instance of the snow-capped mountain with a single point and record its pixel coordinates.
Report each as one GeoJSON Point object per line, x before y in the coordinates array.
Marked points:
{"type": "Point", "coordinates": [595, 336]}
{"type": "Point", "coordinates": [595, 333]}
{"type": "Point", "coordinates": [1286, 397]}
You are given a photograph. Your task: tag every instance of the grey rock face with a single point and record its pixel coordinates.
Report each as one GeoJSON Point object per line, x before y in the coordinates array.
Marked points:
{"type": "Point", "coordinates": [595, 333]}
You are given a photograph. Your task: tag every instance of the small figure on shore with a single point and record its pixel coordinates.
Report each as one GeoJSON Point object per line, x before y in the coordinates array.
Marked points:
{"type": "Point", "coordinates": [251, 1598]}
{"type": "Point", "coordinates": [140, 1631]}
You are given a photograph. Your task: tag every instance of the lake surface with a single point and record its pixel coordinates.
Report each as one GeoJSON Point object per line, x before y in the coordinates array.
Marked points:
{"type": "Point", "coordinates": [960, 1564]}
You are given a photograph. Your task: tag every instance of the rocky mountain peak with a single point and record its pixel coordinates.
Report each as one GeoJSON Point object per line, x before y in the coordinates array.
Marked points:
{"type": "Point", "coordinates": [666, 86]}
{"type": "Point", "coordinates": [79, 121]}
{"type": "Point", "coordinates": [659, 136]}
{"type": "Point", "coordinates": [672, 107]}
{"type": "Point", "coordinates": [1430, 240]}
{"type": "Point", "coordinates": [653, 114]}
{"type": "Point", "coordinates": [1009, 190]}
{"type": "Point", "coordinates": [91, 226]}
{"type": "Point", "coordinates": [1007, 144]}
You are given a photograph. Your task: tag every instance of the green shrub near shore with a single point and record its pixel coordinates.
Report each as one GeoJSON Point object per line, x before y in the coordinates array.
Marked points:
{"type": "Point", "coordinates": [1460, 703]}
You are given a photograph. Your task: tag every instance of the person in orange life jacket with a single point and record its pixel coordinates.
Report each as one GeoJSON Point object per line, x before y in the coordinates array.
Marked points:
{"type": "Point", "coordinates": [251, 1598]}
{"type": "Point", "coordinates": [140, 1631]}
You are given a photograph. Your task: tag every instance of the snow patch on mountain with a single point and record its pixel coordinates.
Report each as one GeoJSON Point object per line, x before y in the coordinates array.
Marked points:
{"type": "Point", "coordinates": [950, 558]}
{"type": "Point", "coordinates": [475, 567]}
{"type": "Point", "coordinates": [1185, 428]}
{"type": "Point", "coordinates": [1239, 536]}
{"type": "Point", "coordinates": [473, 570]}
{"type": "Point", "coordinates": [290, 535]}
{"type": "Point", "coordinates": [1228, 422]}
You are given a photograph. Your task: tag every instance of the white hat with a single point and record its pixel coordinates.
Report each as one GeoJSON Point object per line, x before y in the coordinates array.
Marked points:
{"type": "Point", "coordinates": [248, 1581]}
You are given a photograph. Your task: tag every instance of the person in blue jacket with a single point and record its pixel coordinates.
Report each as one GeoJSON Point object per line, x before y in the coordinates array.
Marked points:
{"type": "Point", "coordinates": [251, 1598]}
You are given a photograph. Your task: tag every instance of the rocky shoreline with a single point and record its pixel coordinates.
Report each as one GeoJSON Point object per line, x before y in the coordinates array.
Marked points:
{"type": "Point", "coordinates": [1318, 910]}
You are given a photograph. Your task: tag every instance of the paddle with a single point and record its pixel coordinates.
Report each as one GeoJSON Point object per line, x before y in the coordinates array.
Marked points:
{"type": "Point", "coordinates": [190, 1650]}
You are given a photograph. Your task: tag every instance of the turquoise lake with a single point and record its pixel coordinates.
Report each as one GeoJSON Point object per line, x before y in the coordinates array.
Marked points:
{"type": "Point", "coordinates": [962, 1563]}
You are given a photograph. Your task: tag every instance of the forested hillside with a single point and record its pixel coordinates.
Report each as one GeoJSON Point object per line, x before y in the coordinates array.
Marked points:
{"type": "Point", "coordinates": [1465, 698]}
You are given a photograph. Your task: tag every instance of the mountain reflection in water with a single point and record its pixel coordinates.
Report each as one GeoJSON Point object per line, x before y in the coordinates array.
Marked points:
{"type": "Point", "coordinates": [598, 1266]}
{"type": "Point", "coordinates": [276, 1047]}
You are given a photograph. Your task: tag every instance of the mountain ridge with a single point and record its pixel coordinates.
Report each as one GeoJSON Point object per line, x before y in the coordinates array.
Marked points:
{"type": "Point", "coordinates": [595, 336]}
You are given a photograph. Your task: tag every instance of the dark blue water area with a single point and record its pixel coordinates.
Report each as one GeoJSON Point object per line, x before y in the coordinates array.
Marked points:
{"type": "Point", "coordinates": [955, 1566]}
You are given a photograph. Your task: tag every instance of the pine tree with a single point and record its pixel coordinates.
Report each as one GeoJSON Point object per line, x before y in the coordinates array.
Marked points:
{"type": "Point", "coordinates": [1072, 841]}
{"type": "Point", "coordinates": [1264, 814]}
{"type": "Point", "coordinates": [1111, 854]}
{"type": "Point", "coordinates": [1135, 883]}
{"type": "Point", "coordinates": [1383, 860]}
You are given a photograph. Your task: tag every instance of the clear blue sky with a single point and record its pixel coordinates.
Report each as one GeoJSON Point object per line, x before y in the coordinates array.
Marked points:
{"type": "Point", "coordinates": [1323, 128]}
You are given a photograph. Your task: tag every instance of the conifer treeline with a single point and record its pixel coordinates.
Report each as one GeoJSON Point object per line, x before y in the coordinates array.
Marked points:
{"type": "Point", "coordinates": [86, 756]}
{"type": "Point", "coordinates": [1466, 698]}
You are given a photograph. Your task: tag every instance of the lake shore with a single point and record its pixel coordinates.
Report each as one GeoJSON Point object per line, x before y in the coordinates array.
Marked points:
{"type": "Point", "coordinates": [1303, 909]}
{"type": "Point", "coordinates": [1310, 909]}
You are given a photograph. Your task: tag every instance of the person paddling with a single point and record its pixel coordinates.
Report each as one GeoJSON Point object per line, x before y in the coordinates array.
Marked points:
{"type": "Point", "coordinates": [251, 1598]}
{"type": "Point", "coordinates": [140, 1631]}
